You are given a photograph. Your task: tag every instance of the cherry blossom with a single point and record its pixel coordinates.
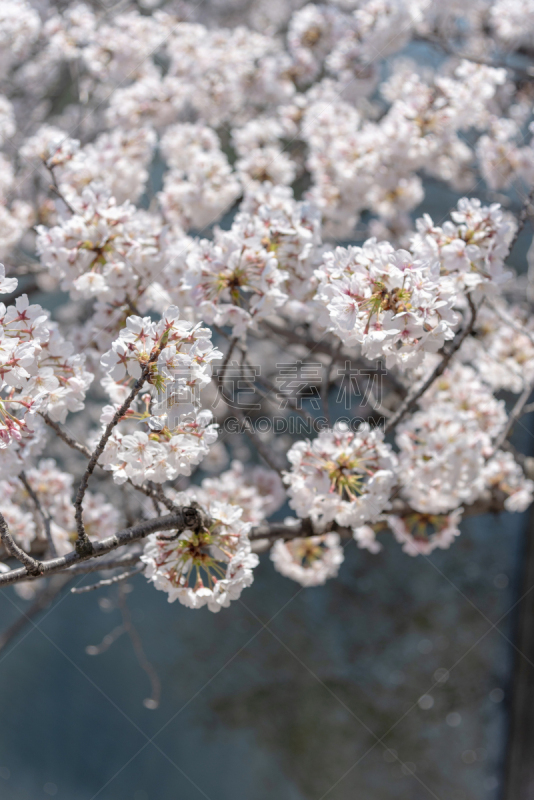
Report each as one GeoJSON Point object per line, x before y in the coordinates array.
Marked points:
{"type": "Point", "coordinates": [388, 302]}
{"type": "Point", "coordinates": [209, 567]}
{"type": "Point", "coordinates": [420, 534]}
{"type": "Point", "coordinates": [311, 561]}
{"type": "Point", "coordinates": [341, 476]}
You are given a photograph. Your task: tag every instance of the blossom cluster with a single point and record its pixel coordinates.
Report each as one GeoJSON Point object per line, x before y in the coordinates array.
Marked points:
{"type": "Point", "coordinates": [391, 304]}
{"type": "Point", "coordinates": [341, 476]}
{"type": "Point", "coordinates": [258, 491]}
{"type": "Point", "coordinates": [447, 455]}
{"type": "Point", "coordinates": [175, 357]}
{"type": "Point", "coordinates": [39, 370]}
{"type": "Point", "coordinates": [444, 445]}
{"type": "Point", "coordinates": [310, 561]}
{"type": "Point", "coordinates": [471, 248]}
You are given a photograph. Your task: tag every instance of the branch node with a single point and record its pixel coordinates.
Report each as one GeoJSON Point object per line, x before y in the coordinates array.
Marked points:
{"type": "Point", "coordinates": [84, 547]}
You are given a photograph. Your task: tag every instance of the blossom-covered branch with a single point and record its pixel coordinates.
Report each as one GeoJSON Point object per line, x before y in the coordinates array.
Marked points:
{"type": "Point", "coordinates": [257, 338]}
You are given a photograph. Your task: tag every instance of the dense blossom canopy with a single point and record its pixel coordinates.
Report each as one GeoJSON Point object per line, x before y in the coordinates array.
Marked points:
{"type": "Point", "coordinates": [184, 199]}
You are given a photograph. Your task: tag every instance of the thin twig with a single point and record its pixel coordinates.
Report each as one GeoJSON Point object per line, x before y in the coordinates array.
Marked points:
{"type": "Point", "coordinates": [419, 391]}
{"type": "Point", "coordinates": [65, 436]}
{"type": "Point", "coordinates": [152, 701]}
{"type": "Point", "coordinates": [323, 346]}
{"type": "Point", "coordinates": [107, 641]}
{"type": "Point", "coordinates": [154, 498]}
{"type": "Point", "coordinates": [45, 516]}
{"type": "Point", "coordinates": [55, 188]}
{"type": "Point", "coordinates": [228, 356]}
{"type": "Point", "coordinates": [221, 374]}
{"type": "Point", "coordinates": [160, 495]}
{"type": "Point", "coordinates": [521, 219]}
{"type": "Point", "coordinates": [62, 197]}
{"type": "Point", "coordinates": [257, 442]}
{"type": "Point", "coordinates": [219, 383]}
{"type": "Point", "coordinates": [107, 581]}
{"type": "Point", "coordinates": [290, 403]}
{"type": "Point", "coordinates": [514, 415]}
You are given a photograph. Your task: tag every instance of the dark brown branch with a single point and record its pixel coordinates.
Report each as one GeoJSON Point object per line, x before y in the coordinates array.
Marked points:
{"type": "Point", "coordinates": [96, 565]}
{"type": "Point", "coordinates": [490, 502]}
{"type": "Point", "coordinates": [159, 495]}
{"type": "Point", "coordinates": [75, 445]}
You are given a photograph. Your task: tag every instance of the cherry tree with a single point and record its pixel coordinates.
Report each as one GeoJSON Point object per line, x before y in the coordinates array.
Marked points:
{"type": "Point", "coordinates": [192, 195]}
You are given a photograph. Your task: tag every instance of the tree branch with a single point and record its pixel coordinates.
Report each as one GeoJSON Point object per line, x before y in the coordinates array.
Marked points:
{"type": "Point", "coordinates": [42, 513]}
{"type": "Point", "coordinates": [419, 391]}
{"type": "Point", "coordinates": [107, 581]}
{"type": "Point", "coordinates": [83, 543]}
{"type": "Point", "coordinates": [331, 350]}
{"type": "Point", "coordinates": [75, 445]}
{"type": "Point", "coordinates": [145, 489]}
{"type": "Point", "coordinates": [95, 565]}
{"type": "Point", "coordinates": [187, 517]}
{"type": "Point", "coordinates": [55, 188]}
{"type": "Point", "coordinates": [31, 566]}
{"type": "Point", "coordinates": [522, 218]}
{"type": "Point", "coordinates": [41, 602]}
{"type": "Point", "coordinates": [516, 412]}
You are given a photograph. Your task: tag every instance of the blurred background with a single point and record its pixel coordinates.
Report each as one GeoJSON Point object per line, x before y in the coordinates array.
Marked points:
{"type": "Point", "coordinates": [291, 693]}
